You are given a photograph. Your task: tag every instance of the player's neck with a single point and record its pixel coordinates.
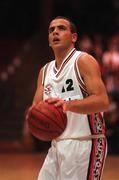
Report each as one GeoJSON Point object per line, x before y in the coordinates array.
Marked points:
{"type": "Point", "coordinates": [61, 55]}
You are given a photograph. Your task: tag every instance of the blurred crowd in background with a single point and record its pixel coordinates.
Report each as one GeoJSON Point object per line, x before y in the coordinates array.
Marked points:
{"type": "Point", "coordinates": [24, 50]}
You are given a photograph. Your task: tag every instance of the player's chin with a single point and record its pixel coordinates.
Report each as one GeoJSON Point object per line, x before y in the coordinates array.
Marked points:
{"type": "Point", "coordinates": [56, 46]}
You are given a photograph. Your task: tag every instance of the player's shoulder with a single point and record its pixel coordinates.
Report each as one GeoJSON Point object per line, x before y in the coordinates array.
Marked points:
{"type": "Point", "coordinates": [45, 66]}
{"type": "Point", "coordinates": [87, 63]}
{"type": "Point", "coordinates": [49, 63]}
{"type": "Point", "coordinates": [86, 59]}
{"type": "Point", "coordinates": [44, 69]}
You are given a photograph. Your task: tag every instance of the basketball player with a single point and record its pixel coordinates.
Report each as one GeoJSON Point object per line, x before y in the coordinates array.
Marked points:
{"type": "Point", "coordinates": [73, 81]}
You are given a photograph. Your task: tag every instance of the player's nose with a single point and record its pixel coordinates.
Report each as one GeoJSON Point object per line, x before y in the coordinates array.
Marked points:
{"type": "Point", "coordinates": [55, 31]}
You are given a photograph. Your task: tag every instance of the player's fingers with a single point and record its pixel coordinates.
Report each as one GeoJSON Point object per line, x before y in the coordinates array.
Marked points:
{"type": "Point", "coordinates": [65, 106]}
{"type": "Point", "coordinates": [52, 100]}
{"type": "Point", "coordinates": [59, 103]}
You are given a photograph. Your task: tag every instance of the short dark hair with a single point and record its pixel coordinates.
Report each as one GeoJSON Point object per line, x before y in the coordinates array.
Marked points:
{"type": "Point", "coordinates": [72, 27]}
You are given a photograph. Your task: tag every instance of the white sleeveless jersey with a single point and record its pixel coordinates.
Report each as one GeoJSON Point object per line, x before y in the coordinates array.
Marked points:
{"type": "Point", "coordinates": [66, 83]}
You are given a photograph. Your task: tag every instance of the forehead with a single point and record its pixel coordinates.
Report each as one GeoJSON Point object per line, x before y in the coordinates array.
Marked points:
{"type": "Point", "coordinates": [57, 22]}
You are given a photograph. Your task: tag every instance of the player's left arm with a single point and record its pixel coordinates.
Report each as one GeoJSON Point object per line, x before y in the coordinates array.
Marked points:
{"type": "Point", "coordinates": [97, 101]}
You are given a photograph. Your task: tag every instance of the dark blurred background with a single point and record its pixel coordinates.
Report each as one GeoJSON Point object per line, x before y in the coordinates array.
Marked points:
{"type": "Point", "coordinates": [24, 50]}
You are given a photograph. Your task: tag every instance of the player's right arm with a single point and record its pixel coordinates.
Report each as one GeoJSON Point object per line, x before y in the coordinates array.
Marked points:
{"type": "Point", "coordinates": [39, 91]}
{"type": "Point", "coordinates": [38, 94]}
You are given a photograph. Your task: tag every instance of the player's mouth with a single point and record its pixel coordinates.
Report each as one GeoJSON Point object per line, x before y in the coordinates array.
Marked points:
{"type": "Point", "coordinates": [56, 40]}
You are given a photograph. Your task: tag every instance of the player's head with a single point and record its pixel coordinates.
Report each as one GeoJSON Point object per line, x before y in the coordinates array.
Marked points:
{"type": "Point", "coordinates": [72, 27]}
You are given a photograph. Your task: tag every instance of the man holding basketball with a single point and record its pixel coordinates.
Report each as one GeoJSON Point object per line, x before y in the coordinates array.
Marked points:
{"type": "Point", "coordinates": [73, 81]}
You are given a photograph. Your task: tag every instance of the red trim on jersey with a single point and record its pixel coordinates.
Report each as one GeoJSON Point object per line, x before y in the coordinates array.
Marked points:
{"type": "Point", "coordinates": [92, 160]}
{"type": "Point", "coordinates": [104, 157]}
{"type": "Point", "coordinates": [54, 69]}
{"type": "Point", "coordinates": [97, 124]}
{"type": "Point", "coordinates": [79, 79]}
{"type": "Point", "coordinates": [97, 159]}
{"type": "Point", "coordinates": [99, 147]}
{"type": "Point", "coordinates": [44, 74]}
{"type": "Point", "coordinates": [84, 93]}
{"type": "Point", "coordinates": [64, 63]}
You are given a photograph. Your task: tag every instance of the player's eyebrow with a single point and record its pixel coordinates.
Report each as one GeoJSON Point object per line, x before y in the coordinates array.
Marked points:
{"type": "Point", "coordinates": [61, 27]}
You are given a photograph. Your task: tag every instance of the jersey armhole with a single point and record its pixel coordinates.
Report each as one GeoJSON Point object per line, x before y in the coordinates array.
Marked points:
{"type": "Point", "coordinates": [78, 75]}
{"type": "Point", "coordinates": [44, 73]}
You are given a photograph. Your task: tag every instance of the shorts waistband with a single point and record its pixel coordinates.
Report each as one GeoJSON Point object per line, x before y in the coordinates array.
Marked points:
{"type": "Point", "coordinates": [82, 138]}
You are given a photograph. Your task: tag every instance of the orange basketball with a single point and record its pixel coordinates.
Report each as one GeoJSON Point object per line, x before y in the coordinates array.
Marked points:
{"type": "Point", "coordinates": [46, 122]}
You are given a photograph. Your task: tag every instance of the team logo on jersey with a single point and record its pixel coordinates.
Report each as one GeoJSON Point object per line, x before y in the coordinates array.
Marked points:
{"type": "Point", "coordinates": [48, 89]}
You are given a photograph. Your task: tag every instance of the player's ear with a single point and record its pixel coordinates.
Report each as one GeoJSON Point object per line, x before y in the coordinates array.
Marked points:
{"type": "Point", "coordinates": [74, 37]}
{"type": "Point", "coordinates": [49, 43]}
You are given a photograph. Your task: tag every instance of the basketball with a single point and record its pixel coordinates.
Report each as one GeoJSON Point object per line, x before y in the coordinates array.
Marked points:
{"type": "Point", "coordinates": [46, 122]}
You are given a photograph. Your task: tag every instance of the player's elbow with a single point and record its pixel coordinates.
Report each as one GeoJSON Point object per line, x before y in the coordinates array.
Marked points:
{"type": "Point", "coordinates": [106, 104]}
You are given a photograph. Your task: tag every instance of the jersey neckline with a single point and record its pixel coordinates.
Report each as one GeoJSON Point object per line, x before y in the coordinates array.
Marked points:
{"type": "Point", "coordinates": [64, 62]}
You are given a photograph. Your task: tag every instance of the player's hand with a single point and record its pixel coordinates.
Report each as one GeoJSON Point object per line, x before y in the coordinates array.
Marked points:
{"type": "Point", "coordinates": [28, 110]}
{"type": "Point", "coordinates": [56, 101]}
{"type": "Point", "coordinates": [27, 113]}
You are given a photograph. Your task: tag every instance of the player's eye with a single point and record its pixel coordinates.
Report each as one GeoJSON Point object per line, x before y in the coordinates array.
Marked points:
{"type": "Point", "coordinates": [61, 27]}
{"type": "Point", "coordinates": [51, 29]}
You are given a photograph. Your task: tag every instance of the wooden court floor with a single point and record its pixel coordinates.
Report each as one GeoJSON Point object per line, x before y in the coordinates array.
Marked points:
{"type": "Point", "coordinates": [25, 166]}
